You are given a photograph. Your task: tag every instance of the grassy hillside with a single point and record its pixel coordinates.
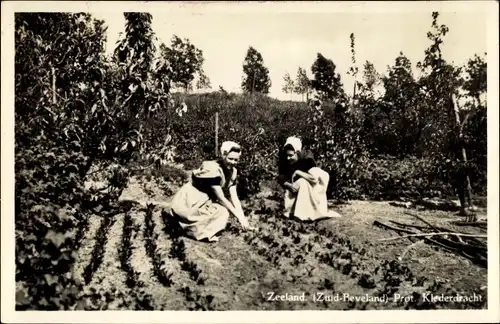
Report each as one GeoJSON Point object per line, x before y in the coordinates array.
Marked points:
{"type": "Point", "coordinates": [262, 124]}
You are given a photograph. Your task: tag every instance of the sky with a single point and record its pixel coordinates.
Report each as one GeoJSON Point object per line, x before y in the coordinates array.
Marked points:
{"type": "Point", "coordinates": [291, 39]}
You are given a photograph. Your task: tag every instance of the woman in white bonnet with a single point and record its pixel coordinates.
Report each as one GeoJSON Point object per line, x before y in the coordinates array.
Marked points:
{"type": "Point", "coordinates": [201, 206]}
{"type": "Point", "coordinates": [305, 184]}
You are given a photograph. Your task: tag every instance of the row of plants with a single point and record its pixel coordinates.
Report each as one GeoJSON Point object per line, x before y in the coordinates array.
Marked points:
{"type": "Point", "coordinates": [326, 245]}
{"type": "Point", "coordinates": [152, 249]}
{"type": "Point", "coordinates": [195, 299]}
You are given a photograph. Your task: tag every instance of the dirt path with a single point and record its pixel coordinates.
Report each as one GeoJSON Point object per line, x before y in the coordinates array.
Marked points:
{"type": "Point", "coordinates": [137, 257]}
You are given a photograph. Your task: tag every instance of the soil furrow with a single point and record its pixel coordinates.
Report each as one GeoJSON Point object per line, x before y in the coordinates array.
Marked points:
{"type": "Point", "coordinates": [142, 265]}
{"type": "Point", "coordinates": [86, 247]}
{"type": "Point", "coordinates": [186, 272]}
{"type": "Point", "coordinates": [158, 262]}
{"type": "Point", "coordinates": [107, 290]}
{"type": "Point", "coordinates": [158, 268]}
{"type": "Point", "coordinates": [98, 249]}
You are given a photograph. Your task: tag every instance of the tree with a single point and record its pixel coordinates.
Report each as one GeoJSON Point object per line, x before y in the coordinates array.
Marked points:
{"type": "Point", "coordinates": [399, 122]}
{"type": "Point", "coordinates": [185, 60]}
{"type": "Point", "coordinates": [371, 77]}
{"type": "Point", "coordinates": [288, 86]}
{"type": "Point", "coordinates": [256, 75]}
{"type": "Point", "coordinates": [302, 84]}
{"type": "Point", "coordinates": [43, 62]}
{"type": "Point", "coordinates": [142, 77]}
{"type": "Point", "coordinates": [474, 120]}
{"type": "Point", "coordinates": [399, 83]}
{"type": "Point", "coordinates": [369, 105]}
{"type": "Point", "coordinates": [439, 81]}
{"type": "Point", "coordinates": [440, 84]}
{"type": "Point", "coordinates": [353, 70]}
{"type": "Point", "coordinates": [137, 45]}
{"type": "Point", "coordinates": [475, 82]}
{"type": "Point", "coordinates": [203, 81]}
{"type": "Point", "coordinates": [326, 81]}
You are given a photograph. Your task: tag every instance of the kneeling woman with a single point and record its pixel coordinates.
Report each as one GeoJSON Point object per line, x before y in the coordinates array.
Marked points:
{"type": "Point", "coordinates": [201, 206]}
{"type": "Point", "coordinates": [305, 184]}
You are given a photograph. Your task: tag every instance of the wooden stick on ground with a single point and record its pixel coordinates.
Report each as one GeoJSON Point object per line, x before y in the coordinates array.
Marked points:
{"type": "Point", "coordinates": [477, 252]}
{"type": "Point", "coordinates": [431, 234]}
{"type": "Point", "coordinates": [409, 225]}
{"type": "Point", "coordinates": [443, 229]}
{"type": "Point", "coordinates": [475, 224]}
{"type": "Point", "coordinates": [378, 223]}
{"type": "Point", "coordinates": [420, 227]}
{"type": "Point", "coordinates": [422, 220]}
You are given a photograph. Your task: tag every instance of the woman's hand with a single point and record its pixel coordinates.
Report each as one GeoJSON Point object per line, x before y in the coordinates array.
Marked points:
{"type": "Point", "coordinates": [236, 211]}
{"type": "Point", "coordinates": [305, 175]}
{"type": "Point", "coordinates": [244, 223]}
{"type": "Point", "coordinates": [290, 187]}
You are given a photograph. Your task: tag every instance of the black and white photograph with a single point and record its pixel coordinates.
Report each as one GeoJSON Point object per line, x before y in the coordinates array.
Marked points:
{"type": "Point", "coordinates": [310, 158]}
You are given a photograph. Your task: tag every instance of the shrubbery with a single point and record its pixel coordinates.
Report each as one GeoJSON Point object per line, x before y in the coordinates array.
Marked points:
{"type": "Point", "coordinates": [74, 108]}
{"type": "Point", "coordinates": [258, 123]}
{"type": "Point", "coordinates": [262, 125]}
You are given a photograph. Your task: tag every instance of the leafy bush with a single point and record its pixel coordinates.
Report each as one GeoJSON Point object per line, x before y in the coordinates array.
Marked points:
{"type": "Point", "coordinates": [261, 125]}
{"type": "Point", "coordinates": [250, 120]}
{"type": "Point", "coordinates": [391, 178]}
{"type": "Point", "coordinates": [73, 108]}
{"type": "Point", "coordinates": [337, 142]}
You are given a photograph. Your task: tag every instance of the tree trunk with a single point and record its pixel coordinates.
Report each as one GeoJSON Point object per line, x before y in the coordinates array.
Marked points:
{"type": "Point", "coordinates": [253, 82]}
{"type": "Point", "coordinates": [54, 99]}
{"type": "Point", "coordinates": [353, 95]}
{"type": "Point", "coordinates": [468, 188]}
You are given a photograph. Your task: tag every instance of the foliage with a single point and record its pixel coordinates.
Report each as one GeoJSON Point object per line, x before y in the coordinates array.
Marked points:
{"type": "Point", "coordinates": [73, 108]}
{"type": "Point", "coordinates": [185, 61]}
{"type": "Point", "coordinates": [49, 200]}
{"type": "Point", "coordinates": [475, 81]}
{"type": "Point", "coordinates": [337, 142]}
{"type": "Point", "coordinates": [415, 117]}
{"type": "Point", "coordinates": [388, 177]}
{"type": "Point", "coordinates": [326, 81]}
{"type": "Point", "coordinates": [302, 83]}
{"type": "Point", "coordinates": [203, 81]}
{"type": "Point", "coordinates": [371, 77]}
{"type": "Point", "coordinates": [439, 82]}
{"type": "Point", "coordinates": [397, 127]}
{"type": "Point", "coordinates": [138, 43]}
{"type": "Point", "coordinates": [256, 75]}
{"type": "Point", "coordinates": [288, 86]}
{"type": "Point", "coordinates": [50, 161]}
{"type": "Point", "coordinates": [353, 69]}
{"type": "Point", "coordinates": [474, 121]}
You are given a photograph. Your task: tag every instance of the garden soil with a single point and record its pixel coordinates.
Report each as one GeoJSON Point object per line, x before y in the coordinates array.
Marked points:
{"type": "Point", "coordinates": [341, 257]}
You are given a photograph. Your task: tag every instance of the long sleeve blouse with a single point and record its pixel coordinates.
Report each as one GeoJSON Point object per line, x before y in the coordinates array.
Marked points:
{"type": "Point", "coordinates": [305, 163]}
